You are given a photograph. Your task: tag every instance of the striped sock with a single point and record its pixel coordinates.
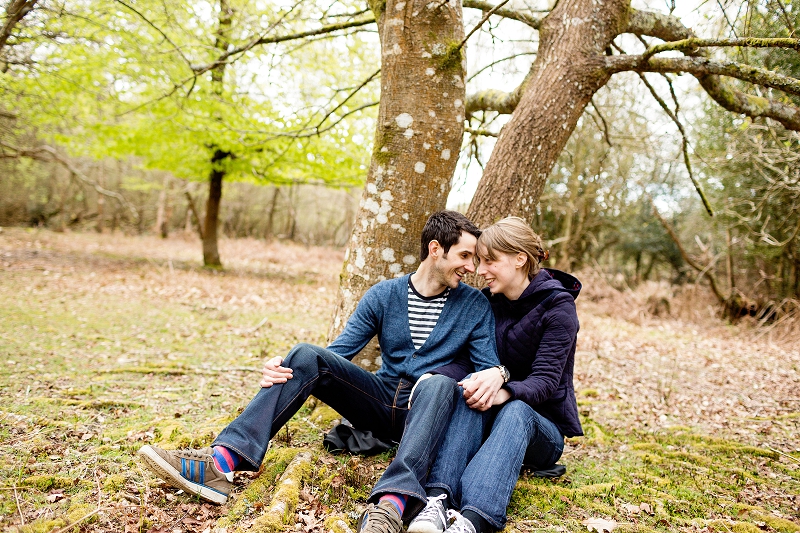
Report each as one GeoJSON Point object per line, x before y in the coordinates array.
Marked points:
{"type": "Point", "coordinates": [398, 500]}
{"type": "Point", "coordinates": [225, 460]}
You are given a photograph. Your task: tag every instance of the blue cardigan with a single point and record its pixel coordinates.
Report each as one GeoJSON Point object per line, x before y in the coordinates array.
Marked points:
{"type": "Point", "coordinates": [465, 329]}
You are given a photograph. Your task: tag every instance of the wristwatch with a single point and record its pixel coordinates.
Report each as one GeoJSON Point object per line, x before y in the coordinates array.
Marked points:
{"type": "Point", "coordinates": [505, 373]}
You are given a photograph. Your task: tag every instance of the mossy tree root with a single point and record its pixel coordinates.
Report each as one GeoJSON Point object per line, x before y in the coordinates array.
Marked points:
{"type": "Point", "coordinates": [287, 494]}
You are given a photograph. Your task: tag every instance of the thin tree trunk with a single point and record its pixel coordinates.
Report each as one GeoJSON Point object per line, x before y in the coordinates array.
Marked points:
{"type": "Point", "coordinates": [417, 140]}
{"type": "Point", "coordinates": [268, 233]}
{"type": "Point", "coordinates": [729, 262]}
{"type": "Point", "coordinates": [168, 208]}
{"type": "Point", "coordinates": [98, 226]}
{"type": "Point", "coordinates": [210, 250]}
{"type": "Point", "coordinates": [162, 217]}
{"type": "Point", "coordinates": [291, 222]}
{"type": "Point", "coordinates": [194, 214]}
{"type": "Point", "coordinates": [568, 70]}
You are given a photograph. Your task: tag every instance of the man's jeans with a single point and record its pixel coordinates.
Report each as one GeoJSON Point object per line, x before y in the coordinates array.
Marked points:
{"type": "Point", "coordinates": [362, 398]}
{"type": "Point", "coordinates": [481, 476]}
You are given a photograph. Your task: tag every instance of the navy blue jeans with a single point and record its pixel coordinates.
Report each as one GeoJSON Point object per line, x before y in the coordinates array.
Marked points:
{"type": "Point", "coordinates": [361, 397]}
{"type": "Point", "coordinates": [480, 475]}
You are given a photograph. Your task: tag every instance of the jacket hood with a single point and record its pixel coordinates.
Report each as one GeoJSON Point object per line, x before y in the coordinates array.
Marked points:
{"type": "Point", "coordinates": [546, 280]}
{"type": "Point", "coordinates": [550, 278]}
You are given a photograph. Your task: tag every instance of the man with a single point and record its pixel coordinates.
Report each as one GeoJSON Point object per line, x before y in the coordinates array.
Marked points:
{"type": "Point", "coordinates": [423, 321]}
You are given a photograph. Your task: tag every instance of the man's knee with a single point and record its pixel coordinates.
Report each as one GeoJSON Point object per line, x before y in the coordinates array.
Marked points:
{"type": "Point", "coordinates": [437, 387]}
{"type": "Point", "coordinates": [303, 356]}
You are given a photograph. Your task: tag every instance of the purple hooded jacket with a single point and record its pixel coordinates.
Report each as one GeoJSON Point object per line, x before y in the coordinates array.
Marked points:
{"type": "Point", "coordinates": [536, 338]}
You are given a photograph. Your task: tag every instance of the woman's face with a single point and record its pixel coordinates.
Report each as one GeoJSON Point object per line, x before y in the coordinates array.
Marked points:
{"type": "Point", "coordinates": [505, 275]}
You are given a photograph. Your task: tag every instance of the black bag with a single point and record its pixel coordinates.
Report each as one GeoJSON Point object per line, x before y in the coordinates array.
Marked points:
{"type": "Point", "coordinates": [345, 438]}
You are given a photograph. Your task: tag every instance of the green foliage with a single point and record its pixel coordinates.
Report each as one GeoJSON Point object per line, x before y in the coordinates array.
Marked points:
{"type": "Point", "coordinates": [752, 170]}
{"type": "Point", "coordinates": [122, 83]}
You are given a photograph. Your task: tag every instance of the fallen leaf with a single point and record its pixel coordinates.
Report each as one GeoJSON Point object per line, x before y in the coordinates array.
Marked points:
{"type": "Point", "coordinates": [55, 496]}
{"type": "Point", "coordinates": [600, 525]}
{"type": "Point", "coordinates": [633, 509]}
{"type": "Point", "coordinates": [646, 508]}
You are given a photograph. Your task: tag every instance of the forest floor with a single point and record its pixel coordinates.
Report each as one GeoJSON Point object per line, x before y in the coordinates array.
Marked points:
{"type": "Point", "coordinates": [109, 342]}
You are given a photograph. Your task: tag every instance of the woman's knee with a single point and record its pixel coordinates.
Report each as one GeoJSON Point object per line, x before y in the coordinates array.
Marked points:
{"type": "Point", "coordinates": [515, 414]}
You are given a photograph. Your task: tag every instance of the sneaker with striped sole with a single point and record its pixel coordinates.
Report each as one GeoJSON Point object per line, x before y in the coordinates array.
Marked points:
{"type": "Point", "coordinates": [191, 470]}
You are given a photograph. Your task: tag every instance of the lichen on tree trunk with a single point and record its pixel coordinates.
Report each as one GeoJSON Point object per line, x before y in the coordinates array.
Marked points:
{"type": "Point", "coordinates": [417, 141]}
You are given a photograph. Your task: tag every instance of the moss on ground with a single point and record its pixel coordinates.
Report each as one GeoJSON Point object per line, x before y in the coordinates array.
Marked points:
{"type": "Point", "coordinates": [92, 368]}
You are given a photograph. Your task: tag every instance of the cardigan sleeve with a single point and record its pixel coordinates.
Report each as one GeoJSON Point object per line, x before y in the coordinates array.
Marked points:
{"type": "Point", "coordinates": [482, 343]}
{"type": "Point", "coordinates": [560, 329]}
{"type": "Point", "coordinates": [457, 370]}
{"type": "Point", "coordinates": [361, 327]}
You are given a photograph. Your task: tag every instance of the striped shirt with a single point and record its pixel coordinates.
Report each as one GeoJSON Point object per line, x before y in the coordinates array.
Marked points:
{"type": "Point", "coordinates": [423, 313]}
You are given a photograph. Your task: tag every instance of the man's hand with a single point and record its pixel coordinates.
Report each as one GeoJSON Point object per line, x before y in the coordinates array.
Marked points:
{"type": "Point", "coordinates": [274, 373]}
{"type": "Point", "coordinates": [481, 388]}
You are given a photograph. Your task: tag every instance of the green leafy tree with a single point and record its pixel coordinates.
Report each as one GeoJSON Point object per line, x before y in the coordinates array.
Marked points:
{"type": "Point", "coordinates": [239, 90]}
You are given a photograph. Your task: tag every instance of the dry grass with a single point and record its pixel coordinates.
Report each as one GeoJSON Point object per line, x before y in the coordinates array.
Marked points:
{"type": "Point", "coordinates": [109, 342]}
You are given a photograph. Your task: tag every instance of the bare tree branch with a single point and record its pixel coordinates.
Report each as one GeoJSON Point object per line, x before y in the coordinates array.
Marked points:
{"type": "Point", "coordinates": [604, 126]}
{"type": "Point", "coordinates": [712, 279]}
{"type": "Point", "coordinates": [481, 131]}
{"type": "Point", "coordinates": [495, 100]}
{"type": "Point", "coordinates": [701, 66]}
{"type": "Point", "coordinates": [152, 25]}
{"type": "Point", "coordinates": [479, 24]}
{"type": "Point", "coordinates": [36, 153]}
{"type": "Point", "coordinates": [329, 28]}
{"type": "Point", "coordinates": [15, 12]}
{"type": "Point", "coordinates": [349, 96]}
{"type": "Point", "coordinates": [684, 143]}
{"type": "Point", "coordinates": [525, 18]}
{"type": "Point", "coordinates": [692, 44]}
{"type": "Point", "coordinates": [752, 106]}
{"type": "Point", "coordinates": [497, 61]}
{"type": "Point", "coordinates": [664, 27]}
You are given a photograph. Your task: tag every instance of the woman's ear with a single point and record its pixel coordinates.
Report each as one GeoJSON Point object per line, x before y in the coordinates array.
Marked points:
{"type": "Point", "coordinates": [521, 260]}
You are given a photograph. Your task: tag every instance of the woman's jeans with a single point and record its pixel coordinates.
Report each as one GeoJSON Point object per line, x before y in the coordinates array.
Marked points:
{"type": "Point", "coordinates": [480, 476]}
{"type": "Point", "coordinates": [361, 397]}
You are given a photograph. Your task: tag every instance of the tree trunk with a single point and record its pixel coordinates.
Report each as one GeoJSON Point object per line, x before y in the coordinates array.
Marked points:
{"type": "Point", "coordinates": [219, 157]}
{"type": "Point", "coordinates": [567, 71]}
{"type": "Point", "coordinates": [417, 141]}
{"type": "Point", "coordinates": [192, 212]}
{"type": "Point", "coordinates": [164, 211]}
{"type": "Point", "coordinates": [101, 181]}
{"type": "Point", "coordinates": [210, 251]}
{"type": "Point", "coordinates": [268, 233]}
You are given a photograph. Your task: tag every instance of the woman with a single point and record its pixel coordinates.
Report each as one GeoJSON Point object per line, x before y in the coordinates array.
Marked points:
{"type": "Point", "coordinates": [536, 327]}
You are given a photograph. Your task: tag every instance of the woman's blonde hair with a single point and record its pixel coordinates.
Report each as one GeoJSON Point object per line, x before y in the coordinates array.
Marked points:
{"type": "Point", "coordinates": [512, 235]}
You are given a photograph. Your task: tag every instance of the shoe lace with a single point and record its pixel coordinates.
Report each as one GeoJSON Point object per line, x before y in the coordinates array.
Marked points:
{"type": "Point", "coordinates": [195, 454]}
{"type": "Point", "coordinates": [434, 509]}
{"type": "Point", "coordinates": [379, 520]}
{"type": "Point", "coordinates": [458, 524]}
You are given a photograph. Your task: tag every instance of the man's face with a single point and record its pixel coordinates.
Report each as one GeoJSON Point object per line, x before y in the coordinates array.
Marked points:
{"type": "Point", "coordinates": [450, 268]}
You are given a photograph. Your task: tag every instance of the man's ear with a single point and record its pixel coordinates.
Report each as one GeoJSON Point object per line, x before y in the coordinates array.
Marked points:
{"type": "Point", "coordinates": [434, 248]}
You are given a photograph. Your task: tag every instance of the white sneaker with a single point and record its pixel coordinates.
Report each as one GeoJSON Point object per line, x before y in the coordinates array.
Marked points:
{"type": "Point", "coordinates": [432, 519]}
{"type": "Point", "coordinates": [459, 524]}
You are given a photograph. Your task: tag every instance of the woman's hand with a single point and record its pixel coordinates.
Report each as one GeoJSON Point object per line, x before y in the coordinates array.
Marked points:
{"type": "Point", "coordinates": [502, 397]}
{"type": "Point", "coordinates": [481, 388]}
{"type": "Point", "coordinates": [273, 373]}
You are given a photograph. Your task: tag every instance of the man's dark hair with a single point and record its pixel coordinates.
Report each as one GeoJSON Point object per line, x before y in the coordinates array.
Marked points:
{"type": "Point", "coordinates": [445, 227]}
